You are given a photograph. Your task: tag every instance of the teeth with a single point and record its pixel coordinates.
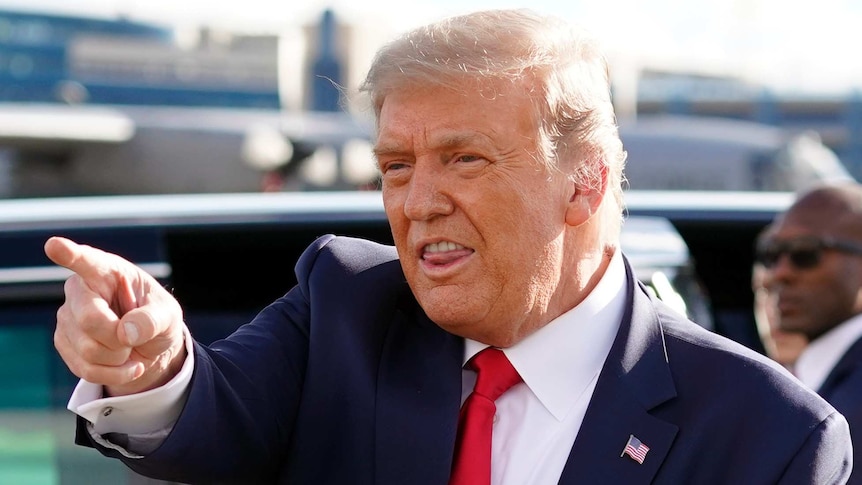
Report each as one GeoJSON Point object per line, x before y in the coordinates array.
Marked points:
{"type": "Point", "coordinates": [442, 246]}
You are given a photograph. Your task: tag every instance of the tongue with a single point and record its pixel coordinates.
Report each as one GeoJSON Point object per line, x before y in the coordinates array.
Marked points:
{"type": "Point", "coordinates": [445, 257]}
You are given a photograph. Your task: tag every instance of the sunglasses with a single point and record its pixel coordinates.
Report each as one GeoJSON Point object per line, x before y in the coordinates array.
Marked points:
{"type": "Point", "coordinates": [804, 253]}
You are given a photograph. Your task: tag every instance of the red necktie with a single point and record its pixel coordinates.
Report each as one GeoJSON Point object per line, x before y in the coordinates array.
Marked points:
{"type": "Point", "coordinates": [495, 375]}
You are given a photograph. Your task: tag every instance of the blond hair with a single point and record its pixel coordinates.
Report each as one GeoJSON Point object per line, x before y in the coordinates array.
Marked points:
{"type": "Point", "coordinates": [577, 128]}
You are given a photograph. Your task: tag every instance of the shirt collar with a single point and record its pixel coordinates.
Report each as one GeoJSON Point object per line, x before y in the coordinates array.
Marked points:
{"type": "Point", "coordinates": [823, 353]}
{"type": "Point", "coordinates": [559, 361]}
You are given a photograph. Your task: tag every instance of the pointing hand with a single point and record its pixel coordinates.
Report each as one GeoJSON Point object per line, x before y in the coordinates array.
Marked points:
{"type": "Point", "coordinates": [118, 326]}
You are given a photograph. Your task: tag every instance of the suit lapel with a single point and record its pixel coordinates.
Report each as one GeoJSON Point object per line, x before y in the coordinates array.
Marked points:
{"type": "Point", "coordinates": [635, 379]}
{"type": "Point", "coordinates": [597, 456]}
{"type": "Point", "coordinates": [418, 398]}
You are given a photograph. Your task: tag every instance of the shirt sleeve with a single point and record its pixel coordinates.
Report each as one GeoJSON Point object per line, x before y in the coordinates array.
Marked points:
{"type": "Point", "coordinates": [146, 416]}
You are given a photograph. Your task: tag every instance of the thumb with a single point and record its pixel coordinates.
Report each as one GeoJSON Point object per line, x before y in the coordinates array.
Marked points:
{"type": "Point", "coordinates": [141, 325]}
{"type": "Point", "coordinates": [128, 333]}
{"type": "Point", "coordinates": [156, 336]}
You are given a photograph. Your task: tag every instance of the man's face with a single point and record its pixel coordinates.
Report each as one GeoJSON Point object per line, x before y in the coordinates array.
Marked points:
{"type": "Point", "coordinates": [478, 221]}
{"type": "Point", "coordinates": [815, 299]}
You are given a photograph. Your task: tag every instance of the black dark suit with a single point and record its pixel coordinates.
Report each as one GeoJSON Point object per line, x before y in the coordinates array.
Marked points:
{"type": "Point", "coordinates": [344, 380]}
{"type": "Point", "coordinates": [843, 389]}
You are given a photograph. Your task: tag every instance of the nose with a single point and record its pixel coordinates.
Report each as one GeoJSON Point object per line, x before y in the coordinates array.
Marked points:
{"type": "Point", "coordinates": [427, 193]}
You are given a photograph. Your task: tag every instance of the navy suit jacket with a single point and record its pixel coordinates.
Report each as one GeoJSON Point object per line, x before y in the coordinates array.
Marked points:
{"type": "Point", "coordinates": [345, 380]}
{"type": "Point", "coordinates": [843, 389]}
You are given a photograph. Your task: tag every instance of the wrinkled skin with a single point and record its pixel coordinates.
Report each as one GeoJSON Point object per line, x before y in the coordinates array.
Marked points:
{"type": "Point", "coordinates": [490, 239]}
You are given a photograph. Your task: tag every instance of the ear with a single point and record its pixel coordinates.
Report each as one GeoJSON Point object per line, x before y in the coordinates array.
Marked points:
{"type": "Point", "coordinates": [586, 197]}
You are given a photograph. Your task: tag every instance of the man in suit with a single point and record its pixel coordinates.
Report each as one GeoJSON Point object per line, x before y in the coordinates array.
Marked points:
{"type": "Point", "coordinates": [782, 346]}
{"type": "Point", "coordinates": [502, 181]}
{"type": "Point", "coordinates": [813, 255]}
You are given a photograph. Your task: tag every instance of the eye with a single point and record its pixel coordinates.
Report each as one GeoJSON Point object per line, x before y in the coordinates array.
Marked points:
{"type": "Point", "coordinates": [393, 166]}
{"type": "Point", "coordinates": [467, 158]}
{"type": "Point", "coordinates": [395, 172]}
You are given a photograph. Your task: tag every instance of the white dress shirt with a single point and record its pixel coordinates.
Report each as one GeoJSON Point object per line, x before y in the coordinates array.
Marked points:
{"type": "Point", "coordinates": [822, 354]}
{"type": "Point", "coordinates": [537, 420]}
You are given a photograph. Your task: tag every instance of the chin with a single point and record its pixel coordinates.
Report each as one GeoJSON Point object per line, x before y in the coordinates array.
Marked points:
{"type": "Point", "coordinates": [447, 316]}
{"type": "Point", "coordinates": [450, 316]}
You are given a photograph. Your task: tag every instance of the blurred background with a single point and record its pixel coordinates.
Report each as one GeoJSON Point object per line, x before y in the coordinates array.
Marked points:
{"type": "Point", "coordinates": [158, 97]}
{"type": "Point", "coordinates": [134, 97]}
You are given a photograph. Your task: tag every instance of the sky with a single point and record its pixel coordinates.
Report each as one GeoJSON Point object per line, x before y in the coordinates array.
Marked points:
{"type": "Point", "coordinates": [792, 46]}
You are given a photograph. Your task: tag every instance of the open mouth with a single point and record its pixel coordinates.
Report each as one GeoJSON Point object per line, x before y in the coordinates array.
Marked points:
{"type": "Point", "coordinates": [444, 253]}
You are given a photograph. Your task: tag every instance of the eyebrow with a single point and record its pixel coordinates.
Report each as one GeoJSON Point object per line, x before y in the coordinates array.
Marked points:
{"type": "Point", "coordinates": [458, 140]}
{"type": "Point", "coordinates": [389, 150]}
{"type": "Point", "coordinates": [446, 141]}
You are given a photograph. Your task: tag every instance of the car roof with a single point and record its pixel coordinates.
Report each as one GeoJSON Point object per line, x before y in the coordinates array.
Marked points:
{"type": "Point", "coordinates": [172, 209]}
{"type": "Point", "coordinates": [649, 240]}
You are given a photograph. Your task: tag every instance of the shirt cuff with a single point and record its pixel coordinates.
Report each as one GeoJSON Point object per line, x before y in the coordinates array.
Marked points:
{"type": "Point", "coordinates": [147, 412]}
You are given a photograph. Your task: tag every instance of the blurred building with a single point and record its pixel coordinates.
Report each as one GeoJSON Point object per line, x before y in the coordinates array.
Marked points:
{"type": "Point", "coordinates": [189, 103]}
{"type": "Point", "coordinates": [68, 59]}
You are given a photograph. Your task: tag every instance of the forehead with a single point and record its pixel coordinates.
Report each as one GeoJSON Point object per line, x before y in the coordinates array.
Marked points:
{"type": "Point", "coordinates": [812, 220]}
{"type": "Point", "coordinates": [491, 109]}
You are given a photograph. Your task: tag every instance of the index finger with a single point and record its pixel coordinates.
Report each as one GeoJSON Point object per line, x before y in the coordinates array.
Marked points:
{"type": "Point", "coordinates": [88, 262]}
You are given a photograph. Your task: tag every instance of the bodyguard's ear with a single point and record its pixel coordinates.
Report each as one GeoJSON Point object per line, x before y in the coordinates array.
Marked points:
{"type": "Point", "coordinates": [586, 197]}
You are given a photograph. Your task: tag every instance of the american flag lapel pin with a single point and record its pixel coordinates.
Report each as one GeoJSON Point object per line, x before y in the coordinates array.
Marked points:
{"type": "Point", "coordinates": [635, 449]}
